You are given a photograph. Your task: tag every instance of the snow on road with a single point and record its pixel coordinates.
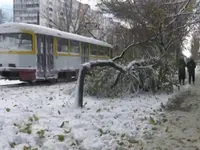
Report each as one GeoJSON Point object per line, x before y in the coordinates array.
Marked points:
{"type": "Point", "coordinates": [44, 117]}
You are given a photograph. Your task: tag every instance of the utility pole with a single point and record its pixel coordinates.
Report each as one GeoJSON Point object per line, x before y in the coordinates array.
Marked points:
{"type": "Point", "coordinates": [38, 17]}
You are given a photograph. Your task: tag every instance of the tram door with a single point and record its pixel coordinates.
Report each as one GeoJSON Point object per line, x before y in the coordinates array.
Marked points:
{"type": "Point", "coordinates": [85, 52]}
{"type": "Point", "coordinates": [41, 65]}
{"type": "Point", "coordinates": [50, 72]}
{"type": "Point", "coordinates": [45, 57]}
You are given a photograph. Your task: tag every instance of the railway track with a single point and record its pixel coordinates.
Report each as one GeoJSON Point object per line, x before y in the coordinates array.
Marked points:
{"type": "Point", "coordinates": [38, 83]}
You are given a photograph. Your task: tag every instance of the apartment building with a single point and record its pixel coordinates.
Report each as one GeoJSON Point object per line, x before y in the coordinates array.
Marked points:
{"type": "Point", "coordinates": [32, 11]}
{"type": "Point", "coordinates": [68, 15]}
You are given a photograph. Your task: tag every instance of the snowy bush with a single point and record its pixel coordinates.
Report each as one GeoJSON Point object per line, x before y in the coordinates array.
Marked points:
{"type": "Point", "coordinates": [100, 80]}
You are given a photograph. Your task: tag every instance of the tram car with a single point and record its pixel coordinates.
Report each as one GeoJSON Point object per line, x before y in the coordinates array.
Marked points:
{"type": "Point", "coordinates": [33, 53]}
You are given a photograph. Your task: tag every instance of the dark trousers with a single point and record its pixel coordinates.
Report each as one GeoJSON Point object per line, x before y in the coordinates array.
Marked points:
{"type": "Point", "coordinates": [181, 79]}
{"type": "Point", "coordinates": [191, 76]}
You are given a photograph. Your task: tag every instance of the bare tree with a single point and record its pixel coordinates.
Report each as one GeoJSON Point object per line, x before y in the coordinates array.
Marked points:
{"type": "Point", "coordinates": [2, 17]}
{"type": "Point", "coordinates": [75, 19]}
{"type": "Point", "coordinates": [195, 45]}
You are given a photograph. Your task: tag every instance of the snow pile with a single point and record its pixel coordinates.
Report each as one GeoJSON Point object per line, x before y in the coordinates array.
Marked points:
{"type": "Point", "coordinates": [43, 117]}
{"type": "Point", "coordinates": [7, 82]}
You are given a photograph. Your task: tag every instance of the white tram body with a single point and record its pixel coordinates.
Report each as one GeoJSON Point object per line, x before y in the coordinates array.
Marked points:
{"type": "Point", "coordinates": [32, 52]}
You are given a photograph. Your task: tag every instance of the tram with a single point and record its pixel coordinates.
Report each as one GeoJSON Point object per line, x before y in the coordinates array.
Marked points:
{"type": "Point", "coordinates": [33, 53]}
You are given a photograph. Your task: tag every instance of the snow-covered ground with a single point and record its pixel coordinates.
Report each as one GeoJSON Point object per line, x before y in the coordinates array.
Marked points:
{"type": "Point", "coordinates": [44, 117]}
{"type": "Point", "coordinates": [8, 82]}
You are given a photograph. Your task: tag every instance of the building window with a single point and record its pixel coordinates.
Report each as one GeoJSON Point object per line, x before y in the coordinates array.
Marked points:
{"type": "Point", "coordinates": [75, 47]}
{"type": "Point", "coordinates": [62, 45]}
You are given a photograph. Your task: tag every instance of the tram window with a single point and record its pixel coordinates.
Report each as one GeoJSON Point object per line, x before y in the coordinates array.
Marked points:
{"type": "Point", "coordinates": [62, 45]}
{"type": "Point", "coordinates": [16, 41]}
{"type": "Point", "coordinates": [107, 51]}
{"type": "Point", "coordinates": [75, 47]}
{"type": "Point", "coordinates": [101, 51]}
{"type": "Point", "coordinates": [93, 49]}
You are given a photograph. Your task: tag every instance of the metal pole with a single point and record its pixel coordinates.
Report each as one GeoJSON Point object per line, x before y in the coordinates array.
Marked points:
{"type": "Point", "coordinates": [38, 17]}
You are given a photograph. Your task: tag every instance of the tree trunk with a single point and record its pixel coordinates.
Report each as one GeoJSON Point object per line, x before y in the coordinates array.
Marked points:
{"type": "Point", "coordinates": [80, 86]}
{"type": "Point", "coordinates": [83, 72]}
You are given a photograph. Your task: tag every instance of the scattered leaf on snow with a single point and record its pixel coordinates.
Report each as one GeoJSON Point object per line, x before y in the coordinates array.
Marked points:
{"type": "Point", "coordinates": [35, 118]}
{"type": "Point", "coordinates": [63, 123]}
{"type": "Point", "coordinates": [98, 110]}
{"type": "Point", "coordinates": [166, 130]}
{"type": "Point", "coordinates": [30, 119]}
{"type": "Point", "coordinates": [61, 138]}
{"type": "Point", "coordinates": [59, 112]}
{"type": "Point", "coordinates": [8, 109]}
{"type": "Point", "coordinates": [41, 133]}
{"type": "Point", "coordinates": [101, 132]}
{"type": "Point", "coordinates": [152, 121]}
{"type": "Point", "coordinates": [12, 145]}
{"type": "Point", "coordinates": [27, 129]}
{"type": "Point", "coordinates": [25, 148]}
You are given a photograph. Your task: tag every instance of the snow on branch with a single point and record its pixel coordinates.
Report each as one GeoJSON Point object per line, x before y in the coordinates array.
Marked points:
{"type": "Point", "coordinates": [180, 11]}
{"type": "Point", "coordinates": [103, 63]}
{"type": "Point", "coordinates": [132, 45]}
{"type": "Point", "coordinates": [141, 63]}
{"type": "Point", "coordinates": [134, 65]}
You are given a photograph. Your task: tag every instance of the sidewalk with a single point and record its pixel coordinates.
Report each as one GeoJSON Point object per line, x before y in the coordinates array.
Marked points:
{"type": "Point", "coordinates": [179, 128]}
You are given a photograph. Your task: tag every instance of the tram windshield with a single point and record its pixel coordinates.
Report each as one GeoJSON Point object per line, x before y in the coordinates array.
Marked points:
{"type": "Point", "coordinates": [16, 42]}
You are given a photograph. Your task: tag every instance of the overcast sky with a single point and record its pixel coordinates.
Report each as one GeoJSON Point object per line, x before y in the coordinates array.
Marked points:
{"type": "Point", "coordinates": [91, 2]}
{"type": "Point", "coordinates": [3, 2]}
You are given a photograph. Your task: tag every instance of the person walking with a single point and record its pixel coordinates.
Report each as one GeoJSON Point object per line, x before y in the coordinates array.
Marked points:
{"type": "Point", "coordinates": [191, 65]}
{"type": "Point", "coordinates": [181, 70]}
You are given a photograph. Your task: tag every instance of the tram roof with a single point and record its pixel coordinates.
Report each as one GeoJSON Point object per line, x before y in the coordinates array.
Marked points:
{"type": "Point", "coordinates": [38, 29]}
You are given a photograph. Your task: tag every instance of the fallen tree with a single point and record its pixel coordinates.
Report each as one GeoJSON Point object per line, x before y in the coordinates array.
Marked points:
{"type": "Point", "coordinates": [160, 28]}
{"type": "Point", "coordinates": [130, 68]}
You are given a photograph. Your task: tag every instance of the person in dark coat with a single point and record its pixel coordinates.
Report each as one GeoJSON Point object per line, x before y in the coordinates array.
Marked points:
{"type": "Point", "coordinates": [181, 70]}
{"type": "Point", "coordinates": [191, 65]}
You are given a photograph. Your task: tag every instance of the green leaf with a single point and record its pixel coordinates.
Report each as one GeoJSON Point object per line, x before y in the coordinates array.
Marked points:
{"type": "Point", "coordinates": [61, 138]}
{"type": "Point", "coordinates": [8, 109]}
{"type": "Point", "coordinates": [30, 119]}
{"type": "Point", "coordinates": [41, 133]}
{"type": "Point", "coordinates": [27, 129]}
{"type": "Point", "coordinates": [152, 121]}
{"type": "Point", "coordinates": [123, 135]}
{"type": "Point", "coordinates": [101, 132]}
{"type": "Point", "coordinates": [98, 110]}
{"type": "Point", "coordinates": [35, 118]}
{"type": "Point", "coordinates": [15, 124]}
{"type": "Point", "coordinates": [59, 112]}
{"type": "Point", "coordinates": [166, 130]}
{"type": "Point", "coordinates": [12, 145]}
{"type": "Point", "coordinates": [25, 148]}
